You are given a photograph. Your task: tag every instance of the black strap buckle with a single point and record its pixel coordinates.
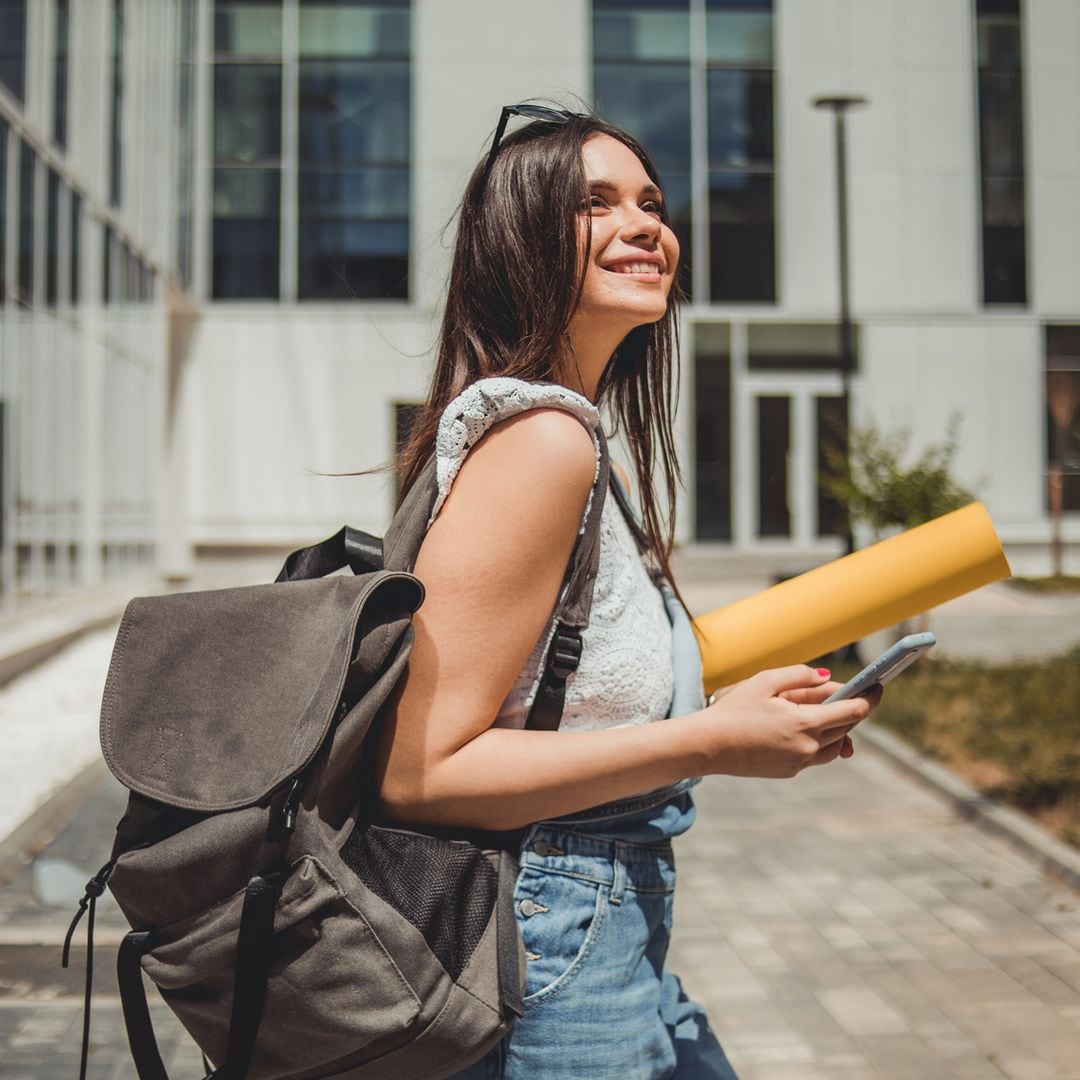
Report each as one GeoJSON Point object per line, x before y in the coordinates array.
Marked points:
{"type": "Point", "coordinates": [565, 652]}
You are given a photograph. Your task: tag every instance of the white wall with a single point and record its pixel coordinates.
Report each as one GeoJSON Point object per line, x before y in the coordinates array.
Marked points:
{"type": "Point", "coordinates": [1053, 155]}
{"type": "Point", "coordinates": [912, 181]}
{"type": "Point", "coordinates": [916, 376]}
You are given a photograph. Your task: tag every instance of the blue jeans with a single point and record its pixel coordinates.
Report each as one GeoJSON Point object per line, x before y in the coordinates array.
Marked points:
{"type": "Point", "coordinates": [594, 900]}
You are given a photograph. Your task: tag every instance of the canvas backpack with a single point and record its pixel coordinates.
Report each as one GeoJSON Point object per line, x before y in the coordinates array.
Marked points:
{"type": "Point", "coordinates": [294, 933]}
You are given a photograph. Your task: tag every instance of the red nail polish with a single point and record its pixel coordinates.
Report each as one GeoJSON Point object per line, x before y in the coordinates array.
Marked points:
{"type": "Point", "coordinates": [824, 672]}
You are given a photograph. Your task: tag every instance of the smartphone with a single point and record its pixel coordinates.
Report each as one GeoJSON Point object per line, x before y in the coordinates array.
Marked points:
{"type": "Point", "coordinates": [887, 666]}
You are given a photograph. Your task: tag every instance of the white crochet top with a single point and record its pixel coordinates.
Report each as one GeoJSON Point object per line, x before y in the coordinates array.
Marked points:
{"type": "Point", "coordinates": [625, 674]}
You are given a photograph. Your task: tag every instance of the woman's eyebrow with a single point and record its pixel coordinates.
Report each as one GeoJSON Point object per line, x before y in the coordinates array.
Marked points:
{"type": "Point", "coordinates": [609, 185]}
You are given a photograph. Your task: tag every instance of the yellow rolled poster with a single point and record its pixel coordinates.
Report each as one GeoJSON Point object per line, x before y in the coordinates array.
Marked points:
{"type": "Point", "coordinates": [853, 596]}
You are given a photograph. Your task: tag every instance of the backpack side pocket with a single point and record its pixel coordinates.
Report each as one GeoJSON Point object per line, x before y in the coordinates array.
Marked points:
{"type": "Point", "coordinates": [333, 987]}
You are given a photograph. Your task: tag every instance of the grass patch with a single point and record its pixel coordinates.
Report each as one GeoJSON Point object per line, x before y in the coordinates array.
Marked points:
{"type": "Point", "coordinates": [1012, 731]}
{"type": "Point", "coordinates": [1059, 584]}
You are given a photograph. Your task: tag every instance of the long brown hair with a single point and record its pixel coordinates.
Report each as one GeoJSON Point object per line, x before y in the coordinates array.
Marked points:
{"type": "Point", "coordinates": [514, 284]}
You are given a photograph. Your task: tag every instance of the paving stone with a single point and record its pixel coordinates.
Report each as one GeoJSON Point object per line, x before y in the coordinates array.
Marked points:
{"type": "Point", "coordinates": [859, 1011]}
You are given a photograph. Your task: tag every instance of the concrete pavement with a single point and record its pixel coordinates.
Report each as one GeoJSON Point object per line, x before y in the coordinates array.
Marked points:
{"type": "Point", "coordinates": [845, 924]}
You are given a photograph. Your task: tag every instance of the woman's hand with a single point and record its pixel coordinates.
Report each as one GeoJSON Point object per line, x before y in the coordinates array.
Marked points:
{"type": "Point", "coordinates": [775, 725]}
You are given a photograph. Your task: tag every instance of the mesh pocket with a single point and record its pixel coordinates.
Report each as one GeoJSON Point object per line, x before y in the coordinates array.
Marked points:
{"type": "Point", "coordinates": [447, 889]}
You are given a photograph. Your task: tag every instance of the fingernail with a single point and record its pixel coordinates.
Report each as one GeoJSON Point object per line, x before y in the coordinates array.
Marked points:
{"type": "Point", "coordinates": [824, 672]}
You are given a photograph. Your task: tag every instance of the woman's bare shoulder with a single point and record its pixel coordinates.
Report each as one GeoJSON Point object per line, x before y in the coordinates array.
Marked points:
{"type": "Point", "coordinates": [519, 496]}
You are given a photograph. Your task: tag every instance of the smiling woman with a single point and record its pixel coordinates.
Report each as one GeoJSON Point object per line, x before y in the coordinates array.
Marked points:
{"type": "Point", "coordinates": [562, 301]}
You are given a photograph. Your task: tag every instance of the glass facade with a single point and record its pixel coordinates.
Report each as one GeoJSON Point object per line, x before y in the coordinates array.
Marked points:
{"type": "Point", "coordinates": [80, 383]}
{"type": "Point", "coordinates": [247, 151]}
{"type": "Point", "coordinates": [52, 238]}
{"type": "Point", "coordinates": [712, 432]}
{"type": "Point", "coordinates": [353, 150]}
{"type": "Point", "coordinates": [4, 138]}
{"type": "Point", "coordinates": [693, 80]}
{"type": "Point", "coordinates": [116, 154]}
{"type": "Point", "coordinates": [311, 183]}
{"type": "Point", "coordinates": [13, 47]}
{"type": "Point", "coordinates": [1001, 151]}
{"type": "Point", "coordinates": [60, 73]}
{"type": "Point", "coordinates": [24, 259]}
{"type": "Point", "coordinates": [183, 258]}
{"type": "Point", "coordinates": [739, 57]}
{"type": "Point", "coordinates": [1062, 344]}
{"type": "Point", "coordinates": [641, 81]}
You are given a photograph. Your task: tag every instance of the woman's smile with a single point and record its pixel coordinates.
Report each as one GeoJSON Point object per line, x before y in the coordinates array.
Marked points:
{"type": "Point", "coordinates": [633, 252]}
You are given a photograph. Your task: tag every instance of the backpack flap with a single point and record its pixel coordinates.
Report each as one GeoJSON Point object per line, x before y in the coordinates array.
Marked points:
{"type": "Point", "coordinates": [213, 699]}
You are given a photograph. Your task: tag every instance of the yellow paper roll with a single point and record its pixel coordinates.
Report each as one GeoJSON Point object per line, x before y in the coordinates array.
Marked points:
{"type": "Point", "coordinates": [851, 597]}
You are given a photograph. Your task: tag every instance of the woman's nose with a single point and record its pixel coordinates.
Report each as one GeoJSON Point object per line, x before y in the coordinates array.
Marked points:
{"type": "Point", "coordinates": [640, 223]}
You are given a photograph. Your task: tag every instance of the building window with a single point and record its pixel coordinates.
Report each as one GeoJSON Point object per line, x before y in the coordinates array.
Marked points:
{"type": "Point", "coordinates": [641, 82]}
{"type": "Point", "coordinates": [1063, 414]}
{"type": "Point", "coordinates": [116, 159]}
{"type": "Point", "coordinates": [60, 74]}
{"type": "Point", "coordinates": [1001, 151]}
{"type": "Point", "coordinates": [739, 50]}
{"type": "Point", "coordinates": [712, 431]}
{"type": "Point", "coordinates": [797, 347]}
{"type": "Point", "coordinates": [108, 262]}
{"type": "Point", "coordinates": [831, 440]}
{"type": "Point", "coordinates": [773, 454]}
{"type": "Point", "coordinates": [312, 184]}
{"type": "Point", "coordinates": [24, 284]}
{"type": "Point", "coordinates": [13, 46]}
{"type": "Point", "coordinates": [353, 152]}
{"type": "Point", "coordinates": [247, 151]}
{"type": "Point", "coordinates": [75, 226]}
{"type": "Point", "coordinates": [52, 237]}
{"type": "Point", "coordinates": [185, 181]}
{"type": "Point", "coordinates": [3, 209]}
{"type": "Point", "coordinates": [693, 79]}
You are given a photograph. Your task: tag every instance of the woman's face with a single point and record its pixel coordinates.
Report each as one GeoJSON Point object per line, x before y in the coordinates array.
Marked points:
{"type": "Point", "coordinates": [633, 256]}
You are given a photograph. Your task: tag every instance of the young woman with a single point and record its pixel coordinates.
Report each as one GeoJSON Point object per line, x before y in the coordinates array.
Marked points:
{"type": "Point", "coordinates": [562, 299]}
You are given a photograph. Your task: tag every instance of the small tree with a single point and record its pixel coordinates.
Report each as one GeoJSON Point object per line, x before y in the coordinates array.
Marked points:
{"type": "Point", "coordinates": [882, 493]}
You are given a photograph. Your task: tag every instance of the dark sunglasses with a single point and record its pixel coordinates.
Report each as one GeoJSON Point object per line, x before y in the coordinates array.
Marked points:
{"type": "Point", "coordinates": [532, 112]}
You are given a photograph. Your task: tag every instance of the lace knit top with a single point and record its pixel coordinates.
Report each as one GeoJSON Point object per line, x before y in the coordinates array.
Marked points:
{"type": "Point", "coordinates": [625, 674]}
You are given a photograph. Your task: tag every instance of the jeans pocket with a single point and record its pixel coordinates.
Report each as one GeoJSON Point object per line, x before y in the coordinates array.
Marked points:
{"type": "Point", "coordinates": [560, 919]}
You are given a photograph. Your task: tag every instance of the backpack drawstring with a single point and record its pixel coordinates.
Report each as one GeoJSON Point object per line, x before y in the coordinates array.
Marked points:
{"type": "Point", "coordinates": [95, 887]}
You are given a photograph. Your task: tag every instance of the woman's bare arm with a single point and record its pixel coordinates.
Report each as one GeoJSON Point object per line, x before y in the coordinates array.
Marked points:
{"type": "Point", "coordinates": [492, 564]}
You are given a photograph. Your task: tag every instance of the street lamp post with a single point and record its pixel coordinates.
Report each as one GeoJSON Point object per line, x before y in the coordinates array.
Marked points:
{"type": "Point", "coordinates": [839, 104]}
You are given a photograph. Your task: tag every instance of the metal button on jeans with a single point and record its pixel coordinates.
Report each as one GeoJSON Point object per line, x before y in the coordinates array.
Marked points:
{"type": "Point", "coordinates": [529, 907]}
{"type": "Point", "coordinates": [542, 847]}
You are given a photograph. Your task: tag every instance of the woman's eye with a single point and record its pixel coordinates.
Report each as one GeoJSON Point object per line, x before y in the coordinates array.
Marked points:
{"type": "Point", "coordinates": [596, 202]}
{"type": "Point", "coordinates": [653, 207]}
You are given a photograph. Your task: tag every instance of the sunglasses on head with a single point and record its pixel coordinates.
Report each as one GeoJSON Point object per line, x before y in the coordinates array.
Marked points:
{"type": "Point", "coordinates": [531, 112]}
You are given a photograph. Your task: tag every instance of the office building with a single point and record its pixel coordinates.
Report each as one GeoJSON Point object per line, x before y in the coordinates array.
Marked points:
{"type": "Point", "coordinates": [224, 231]}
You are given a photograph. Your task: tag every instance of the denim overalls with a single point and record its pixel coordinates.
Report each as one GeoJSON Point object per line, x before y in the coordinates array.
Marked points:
{"type": "Point", "coordinates": [594, 899]}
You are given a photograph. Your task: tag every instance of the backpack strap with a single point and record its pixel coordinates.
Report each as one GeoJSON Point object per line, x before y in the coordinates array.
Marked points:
{"type": "Point", "coordinates": [358, 550]}
{"type": "Point", "coordinates": [253, 954]}
{"type": "Point", "coordinates": [574, 606]}
{"type": "Point", "coordinates": [140, 1028]}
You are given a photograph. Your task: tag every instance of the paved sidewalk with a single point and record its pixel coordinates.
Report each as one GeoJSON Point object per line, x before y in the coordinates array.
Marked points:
{"type": "Point", "coordinates": [841, 925]}
{"type": "Point", "coordinates": [845, 925]}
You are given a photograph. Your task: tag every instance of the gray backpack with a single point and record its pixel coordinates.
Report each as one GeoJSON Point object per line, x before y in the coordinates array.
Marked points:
{"type": "Point", "coordinates": [294, 933]}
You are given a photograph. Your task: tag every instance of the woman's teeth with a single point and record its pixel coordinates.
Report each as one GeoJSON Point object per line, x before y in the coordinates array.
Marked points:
{"type": "Point", "coordinates": [635, 268]}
